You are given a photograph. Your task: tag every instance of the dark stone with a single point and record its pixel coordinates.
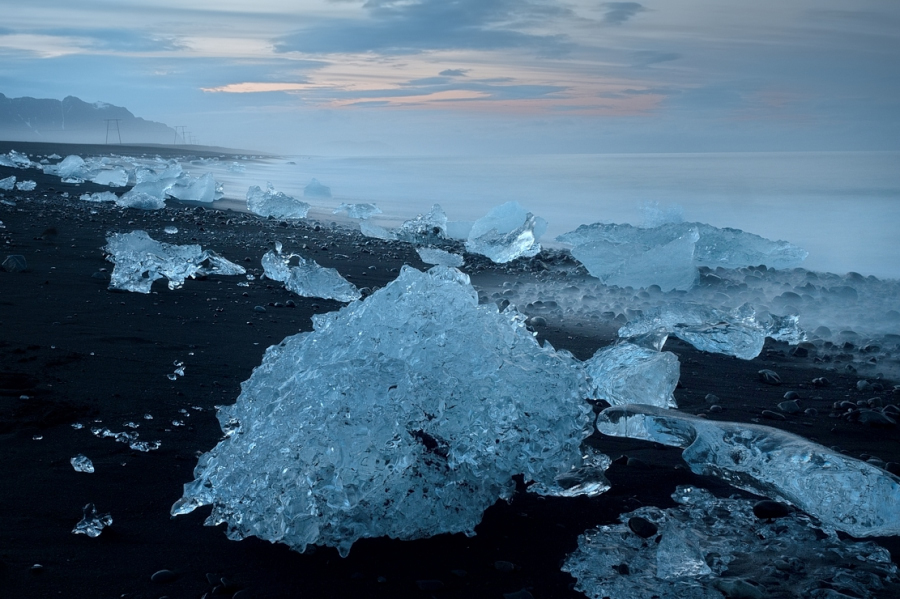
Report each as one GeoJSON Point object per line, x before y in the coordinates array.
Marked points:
{"type": "Point", "coordinates": [792, 395]}
{"type": "Point", "coordinates": [430, 585]}
{"type": "Point", "coordinates": [877, 419]}
{"type": "Point", "coordinates": [769, 377]}
{"type": "Point", "coordinates": [772, 415]}
{"type": "Point", "coordinates": [504, 566]}
{"type": "Point", "coordinates": [637, 463]}
{"type": "Point", "coordinates": [259, 309]}
{"type": "Point", "coordinates": [642, 527]}
{"type": "Point", "coordinates": [800, 352]}
{"type": "Point", "coordinates": [15, 263]}
{"type": "Point", "coordinates": [163, 576]}
{"type": "Point", "coordinates": [863, 385]}
{"type": "Point", "coordinates": [821, 382]}
{"type": "Point", "coordinates": [790, 407]}
{"type": "Point", "coordinates": [893, 468]}
{"type": "Point", "coordinates": [767, 509]}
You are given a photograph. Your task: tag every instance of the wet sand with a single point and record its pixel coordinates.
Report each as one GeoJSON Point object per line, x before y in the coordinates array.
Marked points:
{"type": "Point", "coordinates": [73, 352]}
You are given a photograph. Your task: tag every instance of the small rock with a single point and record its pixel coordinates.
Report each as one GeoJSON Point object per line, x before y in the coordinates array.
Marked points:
{"type": "Point", "coordinates": [537, 321]}
{"type": "Point", "coordinates": [520, 594]}
{"type": "Point", "coordinates": [863, 385]}
{"type": "Point", "coordinates": [800, 352]}
{"type": "Point", "coordinates": [163, 576]}
{"type": "Point", "coordinates": [715, 409]}
{"type": "Point", "coordinates": [637, 463]}
{"type": "Point", "coordinates": [769, 377]}
{"type": "Point", "coordinates": [875, 418]}
{"type": "Point", "coordinates": [710, 398]}
{"type": "Point", "coordinates": [893, 468]}
{"type": "Point", "coordinates": [790, 407]}
{"type": "Point", "coordinates": [821, 382]}
{"type": "Point", "coordinates": [504, 566]}
{"type": "Point", "coordinates": [767, 509]}
{"type": "Point", "coordinates": [430, 585]}
{"type": "Point", "coordinates": [772, 415]}
{"type": "Point", "coordinates": [15, 263]}
{"type": "Point", "coordinates": [642, 527]}
{"type": "Point", "coordinates": [259, 309]}
{"type": "Point", "coordinates": [811, 412]}
{"type": "Point", "coordinates": [792, 395]}
{"type": "Point", "coordinates": [738, 588]}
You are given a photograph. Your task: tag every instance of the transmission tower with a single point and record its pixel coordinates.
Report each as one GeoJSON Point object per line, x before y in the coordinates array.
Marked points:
{"type": "Point", "coordinates": [183, 139]}
{"type": "Point", "coordinates": [109, 127]}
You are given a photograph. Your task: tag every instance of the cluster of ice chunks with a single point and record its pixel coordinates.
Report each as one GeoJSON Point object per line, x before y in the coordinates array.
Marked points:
{"type": "Point", "coordinates": [8, 183]}
{"type": "Point", "coordinates": [132, 439]}
{"type": "Point", "coordinates": [139, 260]}
{"type": "Point", "coordinates": [274, 203]}
{"type": "Point", "coordinates": [404, 415]}
{"type": "Point", "coordinates": [16, 160]}
{"type": "Point", "coordinates": [92, 524]}
{"type": "Point", "coordinates": [669, 255]}
{"type": "Point", "coordinates": [26, 185]}
{"type": "Point", "coordinates": [307, 278]}
{"type": "Point", "coordinates": [841, 492]}
{"type": "Point", "coordinates": [505, 233]}
{"type": "Point", "coordinates": [101, 196]}
{"type": "Point", "coordinates": [740, 332]}
{"type": "Point", "coordinates": [316, 190]}
{"type": "Point", "coordinates": [440, 257]}
{"type": "Point", "coordinates": [704, 547]}
{"type": "Point", "coordinates": [627, 373]}
{"type": "Point", "coordinates": [360, 211]}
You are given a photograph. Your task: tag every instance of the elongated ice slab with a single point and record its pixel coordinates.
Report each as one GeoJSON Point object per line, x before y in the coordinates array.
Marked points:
{"type": "Point", "coordinates": [360, 211]}
{"type": "Point", "coordinates": [140, 200]}
{"type": "Point", "coordinates": [440, 257]}
{"type": "Point", "coordinates": [102, 196]}
{"type": "Point", "coordinates": [505, 233]}
{"type": "Point", "coordinates": [711, 548]}
{"type": "Point", "coordinates": [308, 278]}
{"type": "Point", "coordinates": [740, 332]}
{"type": "Point", "coordinates": [92, 524]}
{"type": "Point", "coordinates": [843, 493]}
{"type": "Point", "coordinates": [139, 260]}
{"type": "Point", "coordinates": [630, 374]}
{"type": "Point", "coordinates": [274, 203]}
{"type": "Point", "coordinates": [82, 463]}
{"type": "Point", "coordinates": [403, 415]}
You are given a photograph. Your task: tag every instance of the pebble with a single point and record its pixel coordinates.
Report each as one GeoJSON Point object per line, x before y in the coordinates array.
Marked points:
{"type": "Point", "coordinates": [875, 418]}
{"type": "Point", "coordinates": [163, 576]}
{"type": "Point", "coordinates": [811, 412]}
{"type": "Point", "coordinates": [430, 585]}
{"type": "Point", "coordinates": [504, 566]}
{"type": "Point", "coordinates": [893, 468]}
{"type": "Point", "coordinates": [642, 527]}
{"type": "Point", "coordinates": [710, 398]}
{"type": "Point", "coordinates": [792, 395]}
{"type": "Point", "coordinates": [767, 509]}
{"type": "Point", "coordinates": [821, 382]}
{"type": "Point", "coordinates": [738, 588]}
{"type": "Point", "coordinates": [637, 463]}
{"type": "Point", "coordinates": [520, 594]}
{"type": "Point", "coordinates": [537, 321]}
{"type": "Point", "coordinates": [715, 409]}
{"type": "Point", "coordinates": [769, 377]}
{"type": "Point", "coordinates": [259, 309]}
{"type": "Point", "coordinates": [772, 415]}
{"type": "Point", "coordinates": [790, 407]}
{"type": "Point", "coordinates": [14, 263]}
{"type": "Point", "coordinates": [863, 385]}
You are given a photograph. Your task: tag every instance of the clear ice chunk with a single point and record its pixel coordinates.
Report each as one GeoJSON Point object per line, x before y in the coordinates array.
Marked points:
{"type": "Point", "coordinates": [843, 493]}
{"type": "Point", "coordinates": [139, 260]}
{"type": "Point", "coordinates": [424, 228]}
{"type": "Point", "coordinates": [370, 230]}
{"type": "Point", "coordinates": [626, 373]}
{"type": "Point", "coordinates": [404, 415]}
{"type": "Point", "coordinates": [274, 203]}
{"type": "Point", "coordinates": [308, 278]}
{"type": "Point", "coordinates": [740, 332]}
{"type": "Point", "coordinates": [140, 200]}
{"type": "Point", "coordinates": [711, 548]}
{"type": "Point", "coordinates": [360, 211]}
{"type": "Point", "coordinates": [82, 463]}
{"type": "Point", "coordinates": [202, 189]}
{"type": "Point", "coordinates": [316, 190]}
{"type": "Point", "coordinates": [102, 196]}
{"type": "Point", "coordinates": [8, 183]}
{"type": "Point", "coordinates": [72, 169]}
{"type": "Point", "coordinates": [440, 257]}
{"type": "Point", "coordinates": [113, 177]}
{"type": "Point", "coordinates": [92, 524]}
{"type": "Point", "coordinates": [26, 185]}
{"type": "Point", "coordinates": [505, 233]}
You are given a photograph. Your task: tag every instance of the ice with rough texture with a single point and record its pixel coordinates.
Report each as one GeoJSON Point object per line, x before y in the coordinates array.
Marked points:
{"type": "Point", "coordinates": [26, 185]}
{"type": "Point", "coordinates": [8, 183]}
{"type": "Point", "coordinates": [7, 161]}
{"type": "Point", "coordinates": [316, 190]}
{"type": "Point", "coordinates": [274, 203]}
{"type": "Point", "coordinates": [131, 439]}
{"type": "Point", "coordinates": [82, 463]}
{"type": "Point", "coordinates": [140, 200]}
{"type": "Point", "coordinates": [440, 257]}
{"type": "Point", "coordinates": [308, 278]}
{"type": "Point", "coordinates": [113, 177]}
{"type": "Point", "coordinates": [425, 227]}
{"type": "Point", "coordinates": [740, 332]}
{"type": "Point", "coordinates": [627, 373]}
{"type": "Point", "coordinates": [370, 230]}
{"type": "Point", "coordinates": [505, 233]}
{"type": "Point", "coordinates": [195, 189]}
{"type": "Point", "coordinates": [360, 211]}
{"type": "Point", "coordinates": [102, 196]}
{"type": "Point", "coordinates": [404, 415]}
{"type": "Point", "coordinates": [711, 548]}
{"type": "Point", "coordinates": [71, 170]}
{"type": "Point", "coordinates": [139, 260]}
{"type": "Point", "coordinates": [843, 493]}
{"type": "Point", "coordinates": [92, 524]}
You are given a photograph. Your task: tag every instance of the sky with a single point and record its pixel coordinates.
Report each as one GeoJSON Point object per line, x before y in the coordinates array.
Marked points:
{"type": "Point", "coordinates": [475, 76]}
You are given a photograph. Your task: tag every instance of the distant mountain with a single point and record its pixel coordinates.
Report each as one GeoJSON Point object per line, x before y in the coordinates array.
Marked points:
{"type": "Point", "coordinates": [75, 121]}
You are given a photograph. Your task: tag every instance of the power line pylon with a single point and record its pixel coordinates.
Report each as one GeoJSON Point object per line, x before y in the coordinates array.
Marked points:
{"type": "Point", "coordinates": [109, 127]}
{"type": "Point", "coordinates": [183, 139]}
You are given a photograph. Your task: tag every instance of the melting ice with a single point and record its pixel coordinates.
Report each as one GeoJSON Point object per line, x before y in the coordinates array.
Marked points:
{"type": "Point", "coordinates": [275, 203]}
{"type": "Point", "coordinates": [505, 233]}
{"type": "Point", "coordinates": [307, 278]}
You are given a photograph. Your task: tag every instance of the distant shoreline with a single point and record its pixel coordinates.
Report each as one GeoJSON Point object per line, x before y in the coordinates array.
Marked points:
{"type": "Point", "coordinates": [162, 150]}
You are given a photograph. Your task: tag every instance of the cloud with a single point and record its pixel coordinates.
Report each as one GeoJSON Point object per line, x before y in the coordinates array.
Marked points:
{"type": "Point", "coordinates": [619, 12]}
{"type": "Point", "coordinates": [646, 58]}
{"type": "Point", "coordinates": [454, 72]}
{"type": "Point", "coordinates": [257, 87]}
{"type": "Point", "coordinates": [122, 40]}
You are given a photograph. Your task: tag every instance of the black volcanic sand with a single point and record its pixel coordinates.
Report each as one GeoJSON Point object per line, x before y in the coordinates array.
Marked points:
{"type": "Point", "coordinates": [74, 352]}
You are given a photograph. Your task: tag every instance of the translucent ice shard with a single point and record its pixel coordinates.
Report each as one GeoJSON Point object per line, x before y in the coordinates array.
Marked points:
{"type": "Point", "coordinates": [308, 278]}
{"type": "Point", "coordinates": [134, 198]}
{"type": "Point", "coordinates": [440, 257]}
{"type": "Point", "coordinates": [316, 190]}
{"type": "Point", "coordinates": [72, 170]}
{"type": "Point", "coordinates": [740, 332]}
{"type": "Point", "coordinates": [26, 185]}
{"type": "Point", "coordinates": [710, 548]}
{"type": "Point", "coordinates": [630, 374]}
{"type": "Point", "coordinates": [405, 414]}
{"type": "Point", "coordinates": [425, 227]}
{"type": "Point", "coordinates": [8, 183]}
{"type": "Point", "coordinates": [113, 177]}
{"type": "Point", "coordinates": [82, 463]}
{"type": "Point", "coordinates": [92, 524]}
{"type": "Point", "coordinates": [370, 230]}
{"type": "Point", "coordinates": [274, 203]}
{"type": "Point", "coordinates": [360, 211]}
{"type": "Point", "coordinates": [505, 233]}
{"type": "Point", "coordinates": [139, 260]}
{"type": "Point", "coordinates": [102, 196]}
{"type": "Point", "coordinates": [843, 493]}
{"type": "Point", "coordinates": [195, 189]}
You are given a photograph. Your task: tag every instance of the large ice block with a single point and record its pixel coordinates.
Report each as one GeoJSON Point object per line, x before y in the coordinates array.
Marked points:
{"type": "Point", "coordinates": [307, 278]}
{"type": "Point", "coordinates": [139, 260]}
{"type": "Point", "coordinates": [405, 415]}
{"type": "Point", "coordinates": [505, 233]}
{"type": "Point", "coordinates": [843, 493]}
{"type": "Point", "coordinates": [72, 169]}
{"type": "Point", "coordinates": [360, 211]}
{"type": "Point", "coordinates": [711, 548]}
{"type": "Point", "coordinates": [740, 332]}
{"type": "Point", "coordinates": [424, 228]}
{"type": "Point", "coordinates": [274, 203]}
{"type": "Point", "coordinates": [626, 373]}
{"type": "Point", "coordinates": [113, 177]}
{"type": "Point", "coordinates": [195, 189]}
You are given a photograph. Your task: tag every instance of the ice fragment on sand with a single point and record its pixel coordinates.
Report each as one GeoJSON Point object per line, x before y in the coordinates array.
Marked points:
{"type": "Point", "coordinates": [195, 189]}
{"type": "Point", "coordinates": [440, 257]}
{"type": "Point", "coordinates": [843, 493]}
{"type": "Point", "coordinates": [308, 278]}
{"type": "Point", "coordinates": [71, 170]}
{"type": "Point", "coordinates": [140, 200]}
{"type": "Point", "coordinates": [316, 190]}
{"type": "Point", "coordinates": [424, 227]}
{"type": "Point", "coordinates": [8, 183]}
{"type": "Point", "coordinates": [403, 415]}
{"type": "Point", "coordinates": [103, 196]}
{"type": "Point", "coordinates": [139, 260]}
{"type": "Point", "coordinates": [370, 230]}
{"type": "Point", "coordinates": [630, 374]}
{"type": "Point", "coordinates": [114, 177]}
{"type": "Point", "coordinates": [360, 211]}
{"type": "Point", "coordinates": [92, 524]}
{"type": "Point", "coordinates": [505, 233]}
{"type": "Point", "coordinates": [706, 544]}
{"type": "Point", "coordinates": [82, 463]}
{"type": "Point", "coordinates": [26, 185]}
{"type": "Point", "coordinates": [274, 203]}
{"type": "Point", "coordinates": [740, 332]}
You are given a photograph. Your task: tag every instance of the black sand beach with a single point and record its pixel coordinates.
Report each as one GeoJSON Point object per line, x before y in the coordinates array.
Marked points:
{"type": "Point", "coordinates": [73, 352]}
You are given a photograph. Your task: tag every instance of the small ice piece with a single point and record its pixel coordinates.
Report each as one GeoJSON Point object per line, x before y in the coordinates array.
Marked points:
{"type": "Point", "coordinates": [112, 177]}
{"type": "Point", "coordinates": [140, 200]}
{"type": "Point", "coordinates": [236, 167]}
{"type": "Point", "coordinates": [92, 524]}
{"type": "Point", "coordinates": [139, 260]}
{"type": "Point", "coordinates": [8, 183]}
{"type": "Point", "coordinates": [26, 185]}
{"type": "Point", "coordinates": [440, 257]}
{"type": "Point", "coordinates": [740, 332]}
{"type": "Point", "coordinates": [360, 211]}
{"type": "Point", "coordinates": [589, 480]}
{"type": "Point", "coordinates": [370, 230]}
{"type": "Point", "coordinates": [71, 170]}
{"type": "Point", "coordinates": [424, 228]}
{"type": "Point", "coordinates": [505, 233]}
{"type": "Point", "coordinates": [626, 373]}
{"type": "Point", "coordinates": [274, 203]}
{"type": "Point", "coordinates": [308, 279]}
{"type": "Point", "coordinates": [704, 546]}
{"type": "Point", "coordinates": [102, 196]}
{"type": "Point", "coordinates": [843, 493]}
{"type": "Point", "coordinates": [405, 415]}
{"type": "Point", "coordinates": [170, 230]}
{"type": "Point", "coordinates": [195, 189]}
{"type": "Point", "coordinates": [316, 190]}
{"type": "Point", "coordinates": [82, 464]}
